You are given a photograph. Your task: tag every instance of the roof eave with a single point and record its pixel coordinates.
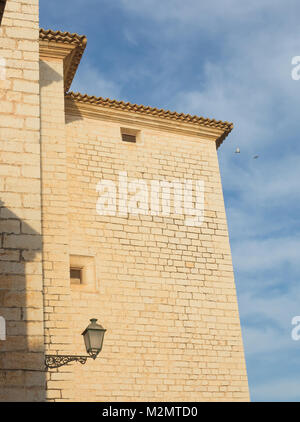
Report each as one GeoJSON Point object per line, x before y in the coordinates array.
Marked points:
{"type": "Point", "coordinates": [141, 116]}
{"type": "Point", "coordinates": [65, 46]}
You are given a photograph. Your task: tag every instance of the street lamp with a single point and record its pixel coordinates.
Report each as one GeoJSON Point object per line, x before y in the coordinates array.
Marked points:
{"type": "Point", "coordinates": [93, 338]}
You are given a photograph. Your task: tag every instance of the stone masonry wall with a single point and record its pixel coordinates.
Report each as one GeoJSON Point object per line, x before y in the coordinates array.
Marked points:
{"type": "Point", "coordinates": [55, 223]}
{"type": "Point", "coordinates": [22, 376]}
{"type": "Point", "coordinates": [164, 291]}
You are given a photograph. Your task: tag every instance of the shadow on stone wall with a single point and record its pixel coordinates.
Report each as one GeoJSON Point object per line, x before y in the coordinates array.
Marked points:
{"type": "Point", "coordinates": [73, 112]}
{"type": "Point", "coordinates": [52, 75]}
{"type": "Point", "coordinates": [2, 7]}
{"type": "Point", "coordinates": [22, 372]}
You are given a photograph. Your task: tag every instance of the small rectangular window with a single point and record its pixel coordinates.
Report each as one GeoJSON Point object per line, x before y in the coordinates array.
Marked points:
{"type": "Point", "coordinates": [128, 138]}
{"type": "Point", "coordinates": [76, 275]}
{"type": "Point", "coordinates": [83, 273]}
{"type": "Point", "coordinates": [130, 135]}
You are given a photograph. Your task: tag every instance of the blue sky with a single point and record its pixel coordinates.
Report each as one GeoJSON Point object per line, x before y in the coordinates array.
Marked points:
{"type": "Point", "coordinates": [229, 60]}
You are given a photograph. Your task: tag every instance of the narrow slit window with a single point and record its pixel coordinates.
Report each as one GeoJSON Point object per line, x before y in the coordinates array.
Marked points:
{"type": "Point", "coordinates": [76, 275]}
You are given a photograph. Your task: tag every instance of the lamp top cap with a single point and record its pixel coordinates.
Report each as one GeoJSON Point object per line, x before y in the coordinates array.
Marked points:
{"type": "Point", "coordinates": [94, 326]}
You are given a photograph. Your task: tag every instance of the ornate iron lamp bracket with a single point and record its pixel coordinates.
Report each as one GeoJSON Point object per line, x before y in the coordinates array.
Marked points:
{"type": "Point", "coordinates": [55, 361]}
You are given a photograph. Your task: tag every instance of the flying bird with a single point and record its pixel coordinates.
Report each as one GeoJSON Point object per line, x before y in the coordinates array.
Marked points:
{"type": "Point", "coordinates": [237, 151]}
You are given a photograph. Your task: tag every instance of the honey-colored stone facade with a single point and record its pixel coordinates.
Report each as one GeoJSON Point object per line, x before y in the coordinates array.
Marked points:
{"type": "Point", "coordinates": [164, 290]}
{"type": "Point", "coordinates": [22, 374]}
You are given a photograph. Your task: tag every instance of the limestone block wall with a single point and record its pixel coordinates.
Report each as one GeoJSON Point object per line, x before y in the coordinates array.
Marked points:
{"type": "Point", "coordinates": [57, 298]}
{"type": "Point", "coordinates": [22, 376]}
{"type": "Point", "coordinates": [164, 291]}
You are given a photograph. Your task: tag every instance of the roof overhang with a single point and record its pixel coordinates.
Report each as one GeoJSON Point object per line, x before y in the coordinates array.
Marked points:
{"type": "Point", "coordinates": [56, 45]}
{"type": "Point", "coordinates": [138, 115]}
{"type": "Point", "coordinates": [63, 46]}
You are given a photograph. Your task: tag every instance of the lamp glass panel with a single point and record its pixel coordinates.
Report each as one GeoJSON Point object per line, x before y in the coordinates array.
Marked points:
{"type": "Point", "coordinates": [87, 341]}
{"type": "Point", "coordinates": [96, 339]}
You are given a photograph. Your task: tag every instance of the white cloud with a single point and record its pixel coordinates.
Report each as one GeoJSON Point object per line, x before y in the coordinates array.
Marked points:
{"type": "Point", "coordinates": [266, 254]}
{"type": "Point", "coordinates": [283, 389]}
{"type": "Point", "coordinates": [203, 12]}
{"type": "Point", "coordinates": [130, 37]}
{"type": "Point", "coordinates": [89, 80]}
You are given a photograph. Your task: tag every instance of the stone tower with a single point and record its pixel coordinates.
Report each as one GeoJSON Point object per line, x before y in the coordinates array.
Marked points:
{"type": "Point", "coordinates": [22, 374]}
{"type": "Point", "coordinates": [114, 211]}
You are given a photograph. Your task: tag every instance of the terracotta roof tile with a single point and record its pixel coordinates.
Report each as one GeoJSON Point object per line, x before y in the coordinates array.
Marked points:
{"type": "Point", "coordinates": [65, 37]}
{"type": "Point", "coordinates": [226, 127]}
{"type": "Point", "coordinates": [79, 41]}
